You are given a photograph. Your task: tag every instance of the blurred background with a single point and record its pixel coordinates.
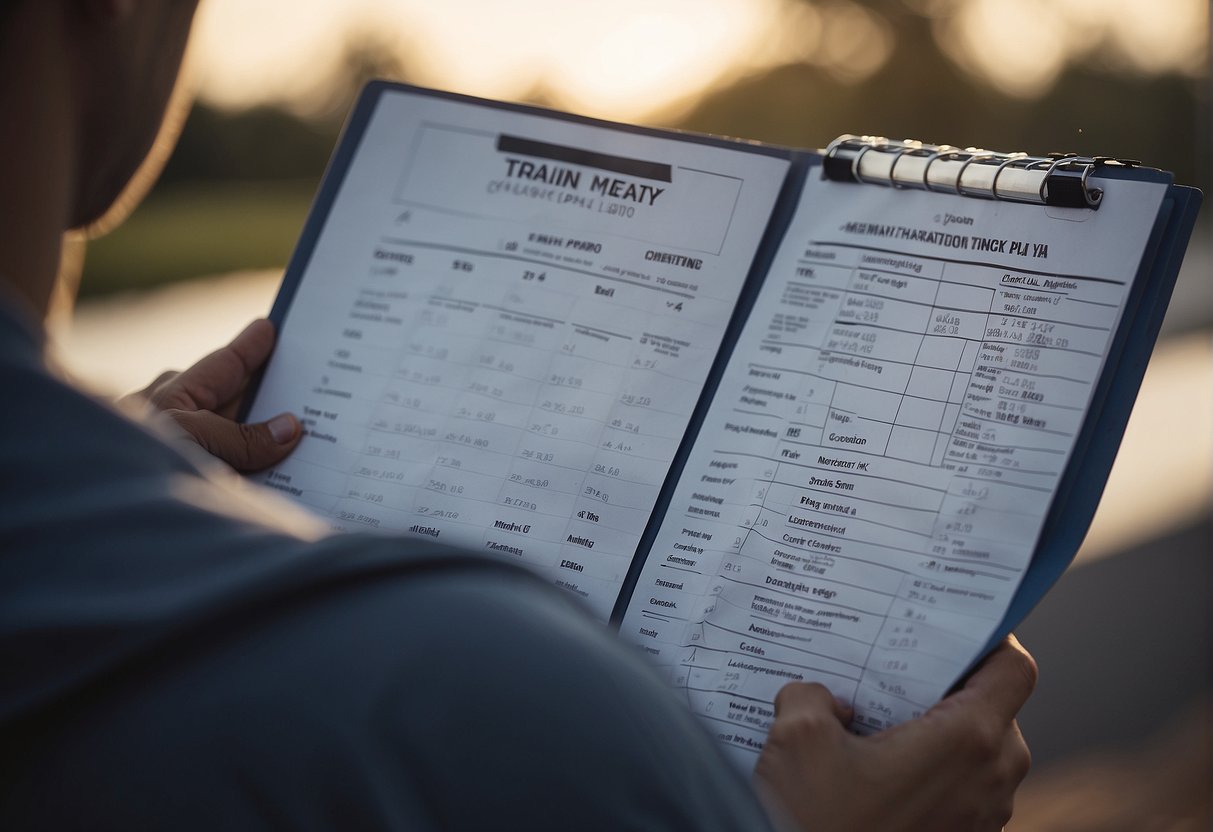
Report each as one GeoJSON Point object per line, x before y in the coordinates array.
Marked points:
{"type": "Point", "coordinates": [1120, 725]}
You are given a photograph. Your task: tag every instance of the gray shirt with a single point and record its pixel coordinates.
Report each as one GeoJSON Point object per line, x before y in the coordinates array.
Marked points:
{"type": "Point", "coordinates": [180, 650]}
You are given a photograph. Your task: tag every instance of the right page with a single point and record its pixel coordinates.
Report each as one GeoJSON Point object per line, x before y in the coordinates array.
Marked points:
{"type": "Point", "coordinates": [870, 481]}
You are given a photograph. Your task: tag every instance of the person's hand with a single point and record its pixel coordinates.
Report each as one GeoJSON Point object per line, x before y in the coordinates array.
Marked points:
{"type": "Point", "coordinates": [203, 401]}
{"type": "Point", "coordinates": [955, 769]}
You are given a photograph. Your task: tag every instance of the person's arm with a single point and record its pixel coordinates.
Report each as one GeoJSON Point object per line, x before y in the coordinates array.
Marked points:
{"type": "Point", "coordinates": [955, 769]}
{"type": "Point", "coordinates": [203, 400]}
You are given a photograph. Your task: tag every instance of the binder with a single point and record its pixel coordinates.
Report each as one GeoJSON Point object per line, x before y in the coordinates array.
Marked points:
{"type": "Point", "coordinates": [1062, 180]}
{"type": "Point", "coordinates": [1059, 179]}
{"type": "Point", "coordinates": [1059, 182]}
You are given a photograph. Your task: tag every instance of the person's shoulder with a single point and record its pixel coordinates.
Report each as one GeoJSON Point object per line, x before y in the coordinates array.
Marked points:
{"type": "Point", "coordinates": [415, 684]}
{"type": "Point", "coordinates": [533, 691]}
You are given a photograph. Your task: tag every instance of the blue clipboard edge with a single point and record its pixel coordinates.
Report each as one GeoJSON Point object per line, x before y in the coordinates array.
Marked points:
{"type": "Point", "coordinates": [1082, 485]}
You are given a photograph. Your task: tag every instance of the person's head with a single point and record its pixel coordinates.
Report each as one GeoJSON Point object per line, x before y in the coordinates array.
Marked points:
{"type": "Point", "coordinates": [84, 85]}
{"type": "Point", "coordinates": [119, 62]}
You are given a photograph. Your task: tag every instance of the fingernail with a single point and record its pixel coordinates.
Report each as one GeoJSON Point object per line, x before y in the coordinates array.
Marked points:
{"type": "Point", "coordinates": [282, 428]}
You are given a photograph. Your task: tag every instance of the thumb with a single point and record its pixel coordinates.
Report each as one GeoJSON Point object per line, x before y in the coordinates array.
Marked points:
{"type": "Point", "coordinates": [808, 714]}
{"type": "Point", "coordinates": [245, 447]}
{"type": "Point", "coordinates": [812, 701]}
{"type": "Point", "coordinates": [808, 732]}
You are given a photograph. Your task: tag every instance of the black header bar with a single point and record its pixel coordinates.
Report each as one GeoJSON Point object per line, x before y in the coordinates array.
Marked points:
{"type": "Point", "coordinates": [586, 158]}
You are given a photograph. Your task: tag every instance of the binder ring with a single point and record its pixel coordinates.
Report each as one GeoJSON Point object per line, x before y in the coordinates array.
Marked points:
{"type": "Point", "coordinates": [1062, 158]}
{"type": "Point", "coordinates": [836, 145]}
{"type": "Point", "coordinates": [1091, 196]}
{"type": "Point", "coordinates": [838, 157]}
{"type": "Point", "coordinates": [907, 148]}
{"type": "Point", "coordinates": [858, 158]}
{"type": "Point", "coordinates": [1010, 161]}
{"type": "Point", "coordinates": [977, 156]}
{"type": "Point", "coordinates": [940, 152]}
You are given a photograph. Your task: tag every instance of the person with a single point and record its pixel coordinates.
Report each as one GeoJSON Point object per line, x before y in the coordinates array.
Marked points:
{"type": "Point", "coordinates": [182, 650]}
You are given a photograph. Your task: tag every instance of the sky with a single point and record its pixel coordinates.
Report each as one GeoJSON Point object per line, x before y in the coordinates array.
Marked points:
{"type": "Point", "coordinates": [625, 59]}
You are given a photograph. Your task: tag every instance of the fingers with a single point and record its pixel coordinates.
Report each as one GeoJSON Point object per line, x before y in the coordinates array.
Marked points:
{"type": "Point", "coordinates": [954, 769]}
{"type": "Point", "coordinates": [999, 769]}
{"type": "Point", "coordinates": [807, 714]}
{"type": "Point", "coordinates": [145, 395]}
{"type": "Point", "coordinates": [218, 378]}
{"type": "Point", "coordinates": [974, 732]}
{"type": "Point", "coordinates": [161, 380]}
{"type": "Point", "coordinates": [245, 447]}
{"type": "Point", "coordinates": [808, 731]}
{"type": "Point", "coordinates": [805, 698]}
{"type": "Point", "coordinates": [202, 398]}
{"type": "Point", "coordinates": [1004, 680]}
{"type": "Point", "coordinates": [1017, 756]}
{"type": "Point", "coordinates": [977, 722]}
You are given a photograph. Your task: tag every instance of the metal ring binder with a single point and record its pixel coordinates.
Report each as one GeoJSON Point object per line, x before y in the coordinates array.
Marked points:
{"type": "Point", "coordinates": [1057, 179]}
{"type": "Point", "coordinates": [1062, 157]}
{"type": "Point", "coordinates": [960, 174]}
{"type": "Point", "coordinates": [1063, 185]}
{"type": "Point", "coordinates": [1011, 160]}
{"type": "Point", "coordinates": [855, 164]}
{"type": "Point", "coordinates": [945, 151]}
{"type": "Point", "coordinates": [909, 148]}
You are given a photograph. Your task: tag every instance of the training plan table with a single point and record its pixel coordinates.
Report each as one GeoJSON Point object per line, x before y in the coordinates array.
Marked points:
{"type": "Point", "coordinates": [504, 327]}
{"type": "Point", "coordinates": [870, 480]}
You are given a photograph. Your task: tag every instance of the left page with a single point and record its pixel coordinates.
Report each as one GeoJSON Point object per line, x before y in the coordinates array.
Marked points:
{"type": "Point", "coordinates": [504, 326]}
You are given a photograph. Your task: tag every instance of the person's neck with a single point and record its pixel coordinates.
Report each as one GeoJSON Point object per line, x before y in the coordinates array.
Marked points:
{"type": "Point", "coordinates": [37, 157]}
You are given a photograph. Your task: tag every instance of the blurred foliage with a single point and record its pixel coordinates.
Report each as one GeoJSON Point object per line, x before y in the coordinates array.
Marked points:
{"type": "Point", "coordinates": [184, 232]}
{"type": "Point", "coordinates": [919, 93]}
{"type": "Point", "coordinates": [259, 144]}
{"type": "Point", "coordinates": [236, 190]}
